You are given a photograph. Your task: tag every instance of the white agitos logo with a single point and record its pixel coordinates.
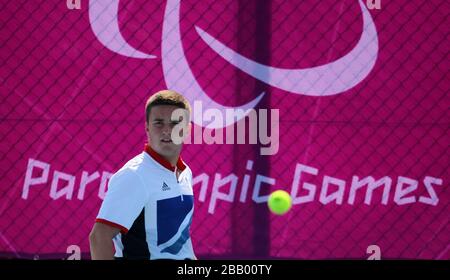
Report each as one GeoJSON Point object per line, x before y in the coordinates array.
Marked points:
{"type": "Point", "coordinates": [328, 79]}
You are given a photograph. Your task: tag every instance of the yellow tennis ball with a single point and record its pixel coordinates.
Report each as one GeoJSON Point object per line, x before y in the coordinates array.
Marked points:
{"type": "Point", "coordinates": [279, 202]}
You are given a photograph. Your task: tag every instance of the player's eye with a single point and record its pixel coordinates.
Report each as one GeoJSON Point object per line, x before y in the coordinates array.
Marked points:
{"type": "Point", "coordinates": [158, 123]}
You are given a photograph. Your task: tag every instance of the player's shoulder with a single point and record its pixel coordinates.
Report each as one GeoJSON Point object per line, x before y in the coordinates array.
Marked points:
{"type": "Point", "coordinates": [132, 168]}
{"type": "Point", "coordinates": [135, 163]}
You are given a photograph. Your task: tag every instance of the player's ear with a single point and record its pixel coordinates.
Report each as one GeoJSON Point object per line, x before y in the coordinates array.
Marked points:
{"type": "Point", "coordinates": [147, 129]}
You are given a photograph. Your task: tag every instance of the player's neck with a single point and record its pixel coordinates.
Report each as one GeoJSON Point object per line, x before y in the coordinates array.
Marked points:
{"type": "Point", "coordinates": [165, 160]}
{"type": "Point", "coordinates": [172, 160]}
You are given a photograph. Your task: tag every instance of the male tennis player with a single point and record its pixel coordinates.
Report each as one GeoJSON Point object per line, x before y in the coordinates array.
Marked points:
{"type": "Point", "coordinates": [147, 210]}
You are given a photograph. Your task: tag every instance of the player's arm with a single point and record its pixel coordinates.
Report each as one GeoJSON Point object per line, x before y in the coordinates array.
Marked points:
{"type": "Point", "coordinates": [100, 240]}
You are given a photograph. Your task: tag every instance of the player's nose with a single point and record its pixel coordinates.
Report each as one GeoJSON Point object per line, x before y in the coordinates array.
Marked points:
{"type": "Point", "coordinates": [166, 130]}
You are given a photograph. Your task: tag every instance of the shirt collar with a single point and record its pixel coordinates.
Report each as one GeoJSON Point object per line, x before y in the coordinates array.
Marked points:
{"type": "Point", "coordinates": [161, 160]}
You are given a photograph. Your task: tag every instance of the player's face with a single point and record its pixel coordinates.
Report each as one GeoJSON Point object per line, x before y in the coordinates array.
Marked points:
{"type": "Point", "coordinates": [159, 131]}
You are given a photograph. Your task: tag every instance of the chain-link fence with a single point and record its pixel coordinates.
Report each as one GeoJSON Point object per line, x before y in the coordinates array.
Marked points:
{"type": "Point", "coordinates": [362, 93]}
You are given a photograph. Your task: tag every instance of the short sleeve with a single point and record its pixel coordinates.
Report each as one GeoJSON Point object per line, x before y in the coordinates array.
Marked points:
{"type": "Point", "coordinates": [124, 200]}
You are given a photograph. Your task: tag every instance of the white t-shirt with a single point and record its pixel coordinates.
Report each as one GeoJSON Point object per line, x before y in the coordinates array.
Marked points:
{"type": "Point", "coordinates": [152, 208]}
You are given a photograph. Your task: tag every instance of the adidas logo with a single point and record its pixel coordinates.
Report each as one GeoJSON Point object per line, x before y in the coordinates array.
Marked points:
{"type": "Point", "coordinates": [165, 187]}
